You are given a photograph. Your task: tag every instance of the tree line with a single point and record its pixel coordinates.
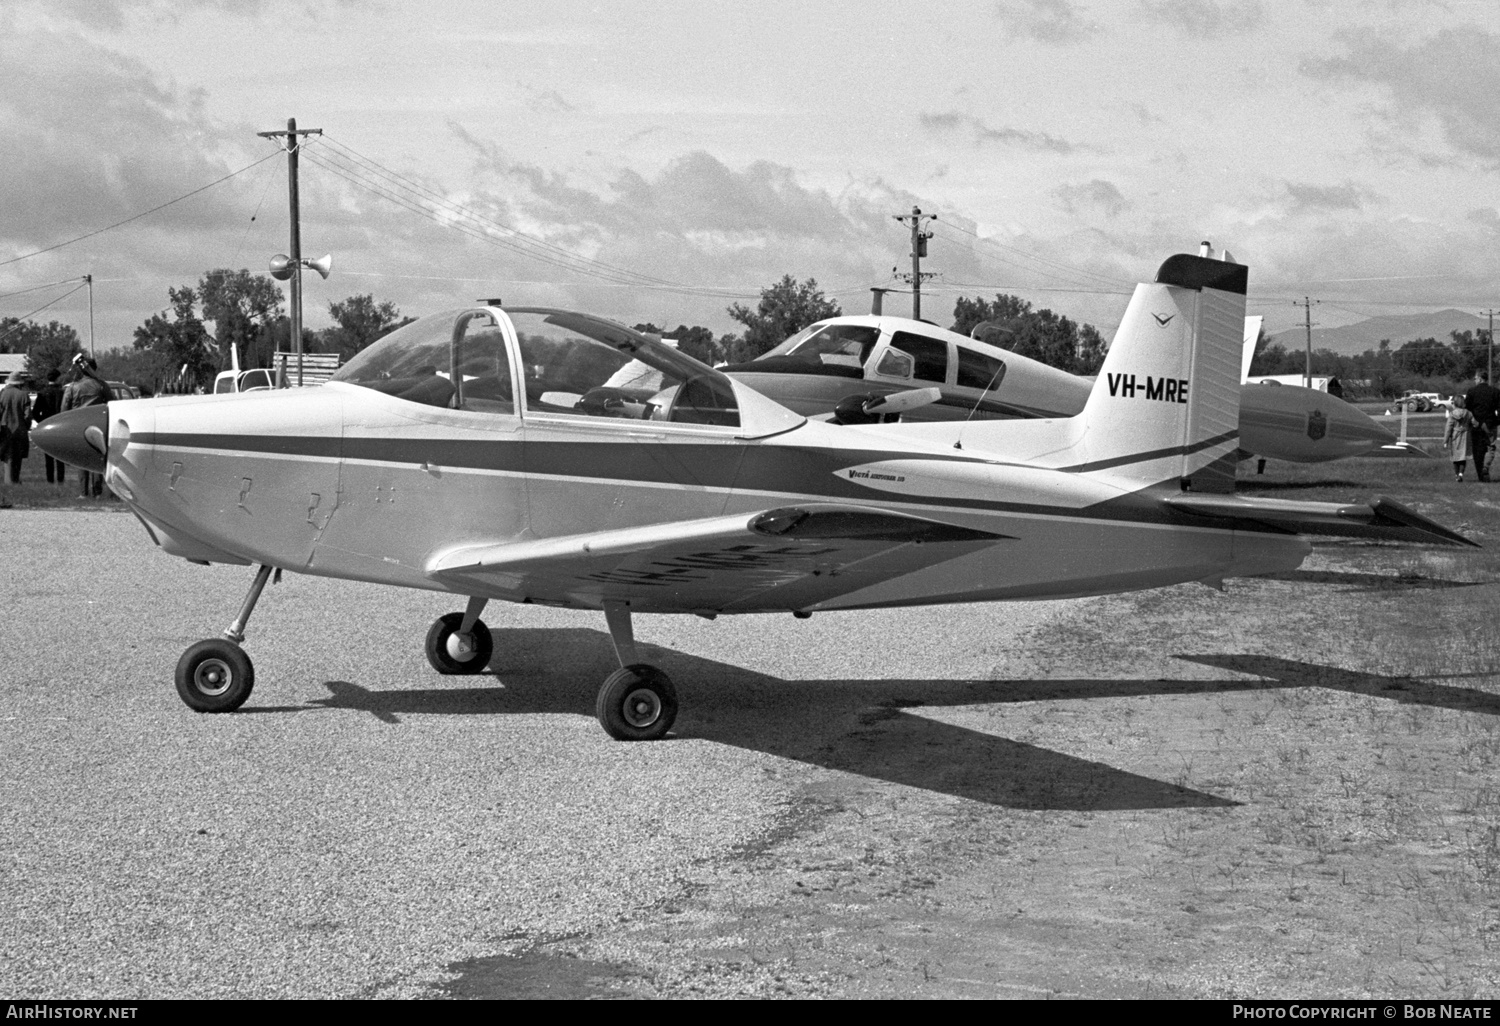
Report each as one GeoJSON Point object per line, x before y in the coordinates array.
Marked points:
{"type": "Point", "coordinates": [1421, 363]}
{"type": "Point", "coordinates": [175, 350]}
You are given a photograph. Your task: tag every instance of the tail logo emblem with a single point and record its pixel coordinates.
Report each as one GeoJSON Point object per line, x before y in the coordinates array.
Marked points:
{"type": "Point", "coordinates": [1317, 425]}
{"type": "Point", "coordinates": [1163, 321]}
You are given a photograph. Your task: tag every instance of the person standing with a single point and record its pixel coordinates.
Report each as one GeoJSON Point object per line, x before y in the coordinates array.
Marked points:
{"type": "Point", "coordinates": [47, 403]}
{"type": "Point", "coordinates": [87, 389]}
{"type": "Point", "coordinates": [1457, 435]}
{"type": "Point", "coordinates": [1483, 403]}
{"type": "Point", "coordinates": [15, 422]}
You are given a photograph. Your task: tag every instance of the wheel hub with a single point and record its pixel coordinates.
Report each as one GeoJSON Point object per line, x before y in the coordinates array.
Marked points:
{"type": "Point", "coordinates": [213, 677]}
{"type": "Point", "coordinates": [642, 707]}
{"type": "Point", "coordinates": [460, 647]}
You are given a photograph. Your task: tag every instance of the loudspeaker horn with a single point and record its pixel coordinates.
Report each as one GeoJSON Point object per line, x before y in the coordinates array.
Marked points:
{"type": "Point", "coordinates": [322, 265]}
{"type": "Point", "coordinates": [281, 267]}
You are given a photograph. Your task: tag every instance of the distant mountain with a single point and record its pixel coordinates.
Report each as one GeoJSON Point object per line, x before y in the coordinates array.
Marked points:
{"type": "Point", "coordinates": [1353, 339]}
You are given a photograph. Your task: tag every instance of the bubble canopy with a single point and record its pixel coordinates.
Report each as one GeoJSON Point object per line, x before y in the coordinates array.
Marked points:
{"type": "Point", "coordinates": [541, 362]}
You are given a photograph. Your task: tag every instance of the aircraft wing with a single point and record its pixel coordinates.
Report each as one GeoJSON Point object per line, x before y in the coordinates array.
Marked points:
{"type": "Point", "coordinates": [1382, 518]}
{"type": "Point", "coordinates": [791, 557]}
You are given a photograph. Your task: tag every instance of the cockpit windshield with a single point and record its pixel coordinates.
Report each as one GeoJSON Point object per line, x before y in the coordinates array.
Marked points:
{"type": "Point", "coordinates": [571, 364]}
{"type": "Point", "coordinates": [830, 344]}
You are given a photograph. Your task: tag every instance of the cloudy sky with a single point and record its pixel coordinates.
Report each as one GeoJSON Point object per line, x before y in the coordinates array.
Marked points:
{"type": "Point", "coordinates": [658, 161]}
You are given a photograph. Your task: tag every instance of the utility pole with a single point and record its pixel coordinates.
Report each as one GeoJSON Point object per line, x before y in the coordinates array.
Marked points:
{"type": "Point", "coordinates": [918, 251]}
{"type": "Point", "coordinates": [89, 278]}
{"type": "Point", "coordinates": [292, 146]}
{"type": "Point", "coordinates": [1490, 365]}
{"type": "Point", "coordinates": [1307, 305]}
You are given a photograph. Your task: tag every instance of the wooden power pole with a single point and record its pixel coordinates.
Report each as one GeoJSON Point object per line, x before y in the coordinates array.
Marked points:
{"type": "Point", "coordinates": [918, 251]}
{"type": "Point", "coordinates": [292, 146]}
{"type": "Point", "coordinates": [1307, 305]}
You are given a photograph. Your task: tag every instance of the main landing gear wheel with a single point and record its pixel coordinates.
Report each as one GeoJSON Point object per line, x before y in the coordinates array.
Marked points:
{"type": "Point", "coordinates": [637, 703]}
{"type": "Point", "coordinates": [451, 652]}
{"type": "Point", "coordinates": [215, 676]}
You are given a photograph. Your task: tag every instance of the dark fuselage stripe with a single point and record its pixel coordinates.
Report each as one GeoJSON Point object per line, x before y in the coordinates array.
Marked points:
{"type": "Point", "coordinates": [1155, 454]}
{"type": "Point", "coordinates": [780, 469]}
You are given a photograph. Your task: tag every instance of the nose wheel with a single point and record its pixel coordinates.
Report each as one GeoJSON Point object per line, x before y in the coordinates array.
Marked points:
{"type": "Point", "coordinates": [215, 676]}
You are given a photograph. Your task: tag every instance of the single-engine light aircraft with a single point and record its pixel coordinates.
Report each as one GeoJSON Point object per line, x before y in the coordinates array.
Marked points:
{"type": "Point", "coordinates": [543, 456]}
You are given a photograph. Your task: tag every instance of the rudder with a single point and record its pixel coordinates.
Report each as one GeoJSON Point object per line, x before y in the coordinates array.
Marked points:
{"type": "Point", "coordinates": [1166, 402]}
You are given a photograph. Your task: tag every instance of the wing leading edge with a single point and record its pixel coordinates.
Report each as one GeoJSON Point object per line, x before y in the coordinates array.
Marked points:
{"type": "Point", "coordinates": [791, 557]}
{"type": "Point", "coordinates": [1381, 519]}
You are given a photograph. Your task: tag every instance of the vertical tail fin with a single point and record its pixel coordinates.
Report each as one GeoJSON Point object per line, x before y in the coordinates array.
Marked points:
{"type": "Point", "coordinates": [1166, 402]}
{"type": "Point", "coordinates": [1252, 336]}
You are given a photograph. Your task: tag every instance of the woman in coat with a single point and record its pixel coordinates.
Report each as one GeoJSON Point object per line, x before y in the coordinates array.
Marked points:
{"type": "Point", "coordinates": [1456, 436]}
{"type": "Point", "coordinates": [15, 418]}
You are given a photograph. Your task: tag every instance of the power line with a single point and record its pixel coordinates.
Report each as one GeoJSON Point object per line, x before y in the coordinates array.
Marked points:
{"type": "Point", "coordinates": [21, 321]}
{"type": "Point", "coordinates": [411, 195]}
{"type": "Point", "coordinates": [1064, 271]}
{"type": "Point", "coordinates": [137, 217]}
{"type": "Point", "coordinates": [38, 288]}
{"type": "Point", "coordinates": [519, 241]}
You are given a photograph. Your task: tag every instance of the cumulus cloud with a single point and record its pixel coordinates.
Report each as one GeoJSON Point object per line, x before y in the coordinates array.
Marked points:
{"type": "Point", "coordinates": [1094, 195]}
{"type": "Point", "coordinates": [1452, 77]}
{"type": "Point", "coordinates": [701, 222]}
{"type": "Point", "coordinates": [1057, 22]}
{"type": "Point", "coordinates": [1206, 19]}
{"type": "Point", "coordinates": [950, 122]}
{"type": "Point", "coordinates": [95, 139]}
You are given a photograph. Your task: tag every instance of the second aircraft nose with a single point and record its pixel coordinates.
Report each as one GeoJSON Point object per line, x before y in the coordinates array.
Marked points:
{"type": "Point", "coordinates": [80, 438]}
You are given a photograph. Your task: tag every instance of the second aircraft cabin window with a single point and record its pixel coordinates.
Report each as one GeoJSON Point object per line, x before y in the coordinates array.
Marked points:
{"type": "Point", "coordinates": [930, 354]}
{"type": "Point", "coordinates": [975, 370]}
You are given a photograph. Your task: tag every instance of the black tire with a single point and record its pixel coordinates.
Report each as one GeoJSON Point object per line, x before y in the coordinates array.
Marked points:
{"type": "Point", "coordinates": [637, 703]}
{"type": "Point", "coordinates": [443, 661]}
{"type": "Point", "coordinates": [215, 676]}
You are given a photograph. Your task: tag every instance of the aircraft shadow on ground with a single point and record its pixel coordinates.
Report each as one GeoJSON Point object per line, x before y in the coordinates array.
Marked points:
{"type": "Point", "coordinates": [1289, 673]}
{"type": "Point", "coordinates": [864, 727]}
{"type": "Point", "coordinates": [1360, 582]}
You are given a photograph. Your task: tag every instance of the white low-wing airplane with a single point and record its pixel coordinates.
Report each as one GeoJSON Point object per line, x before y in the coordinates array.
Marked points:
{"type": "Point", "coordinates": [478, 452]}
{"type": "Point", "coordinates": [877, 354]}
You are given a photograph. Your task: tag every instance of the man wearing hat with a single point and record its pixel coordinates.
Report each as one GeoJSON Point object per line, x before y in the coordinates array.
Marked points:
{"type": "Point", "coordinates": [15, 419]}
{"type": "Point", "coordinates": [87, 389]}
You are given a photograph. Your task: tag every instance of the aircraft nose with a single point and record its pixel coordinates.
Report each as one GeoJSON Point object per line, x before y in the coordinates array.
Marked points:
{"type": "Point", "coordinates": [1363, 427]}
{"type": "Point", "coordinates": [80, 438]}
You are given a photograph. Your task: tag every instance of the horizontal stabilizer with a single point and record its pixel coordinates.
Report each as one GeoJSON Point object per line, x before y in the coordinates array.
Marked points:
{"type": "Point", "coordinates": [1381, 519]}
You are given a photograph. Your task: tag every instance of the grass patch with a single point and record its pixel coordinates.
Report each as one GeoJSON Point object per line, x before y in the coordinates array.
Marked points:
{"type": "Point", "coordinates": [1424, 485]}
{"type": "Point", "coordinates": [41, 495]}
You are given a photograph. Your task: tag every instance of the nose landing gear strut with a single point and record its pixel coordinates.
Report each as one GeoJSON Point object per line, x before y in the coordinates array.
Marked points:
{"type": "Point", "coordinates": [216, 676]}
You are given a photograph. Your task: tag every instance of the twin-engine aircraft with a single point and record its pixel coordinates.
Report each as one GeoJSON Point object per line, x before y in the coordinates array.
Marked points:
{"type": "Point", "coordinates": [874, 355]}
{"type": "Point", "coordinates": [542, 456]}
